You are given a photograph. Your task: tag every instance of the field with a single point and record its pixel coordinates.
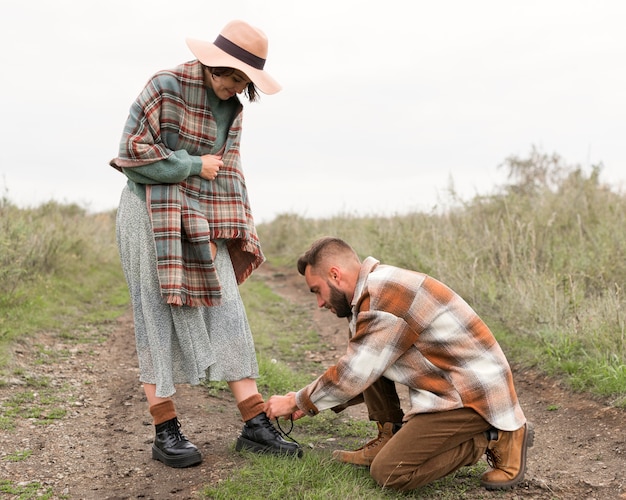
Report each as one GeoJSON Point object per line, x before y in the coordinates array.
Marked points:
{"type": "Point", "coordinates": [542, 262]}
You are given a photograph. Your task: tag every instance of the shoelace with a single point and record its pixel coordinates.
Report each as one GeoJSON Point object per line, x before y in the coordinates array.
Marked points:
{"type": "Point", "coordinates": [287, 434]}
{"type": "Point", "coordinates": [374, 442]}
{"type": "Point", "coordinates": [492, 458]}
{"type": "Point", "coordinates": [175, 427]}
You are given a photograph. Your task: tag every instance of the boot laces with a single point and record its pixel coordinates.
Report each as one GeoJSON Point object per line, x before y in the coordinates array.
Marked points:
{"type": "Point", "coordinates": [175, 428]}
{"type": "Point", "coordinates": [377, 440]}
{"type": "Point", "coordinates": [374, 442]}
{"type": "Point", "coordinates": [286, 434]}
{"type": "Point", "coordinates": [493, 458]}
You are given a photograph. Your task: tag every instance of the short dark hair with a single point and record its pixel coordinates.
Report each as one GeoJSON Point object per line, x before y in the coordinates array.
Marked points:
{"type": "Point", "coordinates": [322, 248]}
{"type": "Point", "coordinates": [250, 90]}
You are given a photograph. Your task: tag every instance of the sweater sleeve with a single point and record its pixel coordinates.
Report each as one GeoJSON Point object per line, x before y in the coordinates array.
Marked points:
{"type": "Point", "coordinates": [176, 168]}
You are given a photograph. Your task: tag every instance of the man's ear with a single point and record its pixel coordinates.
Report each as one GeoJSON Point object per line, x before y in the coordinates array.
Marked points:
{"type": "Point", "coordinates": [334, 273]}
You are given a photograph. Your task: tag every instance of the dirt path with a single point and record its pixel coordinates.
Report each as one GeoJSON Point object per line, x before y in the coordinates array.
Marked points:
{"type": "Point", "coordinates": [101, 448]}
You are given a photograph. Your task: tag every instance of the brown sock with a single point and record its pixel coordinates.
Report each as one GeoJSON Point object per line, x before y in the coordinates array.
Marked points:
{"type": "Point", "coordinates": [251, 407]}
{"type": "Point", "coordinates": [162, 412]}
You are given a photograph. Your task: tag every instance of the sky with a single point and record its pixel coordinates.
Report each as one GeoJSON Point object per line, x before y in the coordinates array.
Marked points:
{"type": "Point", "coordinates": [385, 106]}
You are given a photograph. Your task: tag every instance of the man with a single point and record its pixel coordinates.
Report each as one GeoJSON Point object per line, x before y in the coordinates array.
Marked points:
{"type": "Point", "coordinates": [408, 328]}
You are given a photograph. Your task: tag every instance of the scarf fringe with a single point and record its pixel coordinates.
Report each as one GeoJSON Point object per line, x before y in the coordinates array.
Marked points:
{"type": "Point", "coordinates": [177, 300]}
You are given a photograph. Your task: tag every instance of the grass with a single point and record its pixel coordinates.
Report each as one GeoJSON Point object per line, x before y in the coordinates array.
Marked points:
{"type": "Point", "coordinates": [281, 340]}
{"type": "Point", "coordinates": [317, 476]}
{"type": "Point", "coordinates": [18, 456]}
{"type": "Point", "coordinates": [281, 330]}
{"type": "Point", "coordinates": [26, 491]}
{"type": "Point", "coordinates": [542, 260]}
{"type": "Point", "coordinates": [42, 408]}
{"type": "Point", "coordinates": [60, 272]}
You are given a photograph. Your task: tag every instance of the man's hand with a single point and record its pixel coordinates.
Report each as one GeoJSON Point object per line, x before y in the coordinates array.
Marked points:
{"type": "Point", "coordinates": [283, 406]}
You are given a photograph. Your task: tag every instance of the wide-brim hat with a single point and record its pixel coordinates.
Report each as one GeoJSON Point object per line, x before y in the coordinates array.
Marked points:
{"type": "Point", "coordinates": [238, 46]}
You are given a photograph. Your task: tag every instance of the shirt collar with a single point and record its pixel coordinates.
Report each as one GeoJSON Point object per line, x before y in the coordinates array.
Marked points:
{"type": "Point", "coordinates": [367, 266]}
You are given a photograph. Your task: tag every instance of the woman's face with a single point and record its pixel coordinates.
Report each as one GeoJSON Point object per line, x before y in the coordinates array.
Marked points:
{"type": "Point", "coordinates": [226, 86]}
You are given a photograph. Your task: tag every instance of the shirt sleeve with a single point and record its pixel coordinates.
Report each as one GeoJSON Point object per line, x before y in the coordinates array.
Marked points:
{"type": "Point", "coordinates": [379, 340]}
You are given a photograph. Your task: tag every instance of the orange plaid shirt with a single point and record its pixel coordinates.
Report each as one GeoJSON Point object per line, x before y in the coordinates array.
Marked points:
{"type": "Point", "coordinates": [414, 330]}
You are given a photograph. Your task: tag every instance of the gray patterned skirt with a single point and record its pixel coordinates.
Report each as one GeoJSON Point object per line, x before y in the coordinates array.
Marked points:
{"type": "Point", "coordinates": [180, 344]}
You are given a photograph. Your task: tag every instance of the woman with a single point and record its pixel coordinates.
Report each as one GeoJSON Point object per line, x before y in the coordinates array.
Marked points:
{"type": "Point", "coordinates": [187, 238]}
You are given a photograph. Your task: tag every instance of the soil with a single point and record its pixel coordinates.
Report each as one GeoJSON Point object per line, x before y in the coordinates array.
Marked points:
{"type": "Point", "coordinates": [100, 449]}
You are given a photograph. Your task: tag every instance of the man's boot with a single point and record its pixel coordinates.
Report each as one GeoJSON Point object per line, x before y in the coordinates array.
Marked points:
{"type": "Point", "coordinates": [507, 457]}
{"type": "Point", "coordinates": [365, 454]}
{"type": "Point", "coordinates": [260, 436]}
{"type": "Point", "coordinates": [172, 447]}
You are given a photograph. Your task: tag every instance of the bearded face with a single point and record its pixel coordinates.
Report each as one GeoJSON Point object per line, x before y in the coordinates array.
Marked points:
{"type": "Point", "coordinates": [338, 302]}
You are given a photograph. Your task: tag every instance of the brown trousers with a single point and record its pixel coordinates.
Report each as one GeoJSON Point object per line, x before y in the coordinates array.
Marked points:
{"type": "Point", "coordinates": [428, 447]}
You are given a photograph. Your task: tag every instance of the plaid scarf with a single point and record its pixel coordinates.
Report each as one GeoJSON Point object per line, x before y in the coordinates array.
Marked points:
{"type": "Point", "coordinates": [173, 113]}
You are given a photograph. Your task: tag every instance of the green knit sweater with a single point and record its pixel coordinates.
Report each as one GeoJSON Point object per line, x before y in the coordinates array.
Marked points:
{"type": "Point", "coordinates": [180, 164]}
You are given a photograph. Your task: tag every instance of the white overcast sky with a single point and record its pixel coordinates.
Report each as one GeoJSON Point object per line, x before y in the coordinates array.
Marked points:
{"type": "Point", "coordinates": [384, 102]}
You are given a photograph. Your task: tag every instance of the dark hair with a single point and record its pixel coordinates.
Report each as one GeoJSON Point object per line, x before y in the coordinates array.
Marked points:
{"type": "Point", "coordinates": [324, 247]}
{"type": "Point", "coordinates": [250, 91]}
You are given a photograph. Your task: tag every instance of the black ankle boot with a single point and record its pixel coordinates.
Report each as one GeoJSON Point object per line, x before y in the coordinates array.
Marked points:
{"type": "Point", "coordinates": [260, 436]}
{"type": "Point", "coordinates": [171, 446]}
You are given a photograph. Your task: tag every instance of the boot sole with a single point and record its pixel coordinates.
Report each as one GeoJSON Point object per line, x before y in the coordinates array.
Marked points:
{"type": "Point", "coordinates": [178, 462]}
{"type": "Point", "coordinates": [529, 441]}
{"type": "Point", "coordinates": [244, 444]}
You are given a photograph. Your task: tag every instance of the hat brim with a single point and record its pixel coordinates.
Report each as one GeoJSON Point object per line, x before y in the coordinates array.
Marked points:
{"type": "Point", "coordinates": [211, 55]}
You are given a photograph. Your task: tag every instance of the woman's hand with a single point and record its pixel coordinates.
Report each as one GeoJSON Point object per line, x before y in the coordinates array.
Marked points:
{"type": "Point", "coordinates": [211, 165]}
